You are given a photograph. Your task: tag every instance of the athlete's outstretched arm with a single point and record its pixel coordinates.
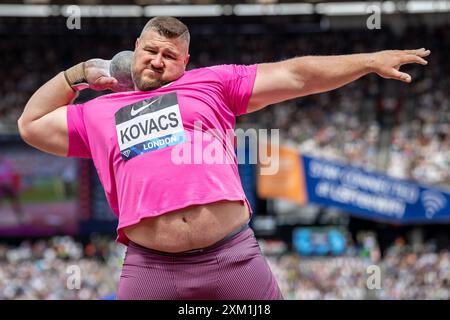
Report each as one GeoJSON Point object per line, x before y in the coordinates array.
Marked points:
{"type": "Point", "coordinates": [297, 77]}
{"type": "Point", "coordinates": [43, 123]}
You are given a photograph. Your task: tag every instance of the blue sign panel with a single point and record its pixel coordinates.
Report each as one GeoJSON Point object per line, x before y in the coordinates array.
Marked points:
{"type": "Point", "coordinates": [372, 195]}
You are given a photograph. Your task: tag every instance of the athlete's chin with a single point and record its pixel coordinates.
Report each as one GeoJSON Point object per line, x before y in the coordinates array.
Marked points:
{"type": "Point", "coordinates": [146, 85]}
{"type": "Point", "coordinates": [153, 78]}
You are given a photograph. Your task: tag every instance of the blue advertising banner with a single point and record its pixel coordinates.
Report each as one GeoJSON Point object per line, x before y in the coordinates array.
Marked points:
{"type": "Point", "coordinates": [373, 195]}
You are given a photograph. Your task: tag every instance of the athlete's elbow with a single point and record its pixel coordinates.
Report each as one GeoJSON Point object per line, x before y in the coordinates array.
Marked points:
{"type": "Point", "coordinates": [298, 80]}
{"type": "Point", "coordinates": [306, 85]}
{"type": "Point", "coordinates": [23, 127]}
{"type": "Point", "coordinates": [33, 135]}
{"type": "Point", "coordinates": [304, 78]}
{"type": "Point", "coordinates": [26, 131]}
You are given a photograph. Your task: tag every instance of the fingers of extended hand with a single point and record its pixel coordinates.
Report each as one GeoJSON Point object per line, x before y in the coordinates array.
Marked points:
{"type": "Point", "coordinates": [402, 76]}
{"type": "Point", "coordinates": [411, 58]}
{"type": "Point", "coordinates": [418, 52]}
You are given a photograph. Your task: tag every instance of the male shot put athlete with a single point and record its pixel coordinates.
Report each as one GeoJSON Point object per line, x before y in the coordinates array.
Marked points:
{"type": "Point", "coordinates": [185, 225]}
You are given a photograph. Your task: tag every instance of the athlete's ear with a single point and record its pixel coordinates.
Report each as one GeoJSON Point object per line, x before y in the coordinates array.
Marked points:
{"type": "Point", "coordinates": [137, 43]}
{"type": "Point", "coordinates": [186, 60]}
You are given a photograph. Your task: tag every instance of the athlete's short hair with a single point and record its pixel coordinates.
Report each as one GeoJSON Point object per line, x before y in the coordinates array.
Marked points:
{"type": "Point", "coordinates": [168, 27]}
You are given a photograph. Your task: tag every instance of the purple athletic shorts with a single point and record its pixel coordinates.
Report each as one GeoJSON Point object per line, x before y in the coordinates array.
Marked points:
{"type": "Point", "coordinates": [232, 269]}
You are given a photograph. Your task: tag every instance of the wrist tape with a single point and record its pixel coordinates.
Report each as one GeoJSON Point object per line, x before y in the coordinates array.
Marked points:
{"type": "Point", "coordinates": [75, 75]}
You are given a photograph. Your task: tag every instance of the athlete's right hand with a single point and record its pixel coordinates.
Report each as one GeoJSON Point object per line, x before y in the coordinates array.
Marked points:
{"type": "Point", "coordinates": [97, 75]}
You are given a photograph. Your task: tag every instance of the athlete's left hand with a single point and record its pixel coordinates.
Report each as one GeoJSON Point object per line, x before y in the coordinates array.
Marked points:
{"type": "Point", "coordinates": [387, 63]}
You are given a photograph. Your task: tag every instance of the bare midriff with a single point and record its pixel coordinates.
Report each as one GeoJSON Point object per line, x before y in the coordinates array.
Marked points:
{"type": "Point", "coordinates": [190, 228]}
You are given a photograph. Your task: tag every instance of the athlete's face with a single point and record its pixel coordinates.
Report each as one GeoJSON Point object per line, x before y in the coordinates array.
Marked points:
{"type": "Point", "coordinates": [158, 60]}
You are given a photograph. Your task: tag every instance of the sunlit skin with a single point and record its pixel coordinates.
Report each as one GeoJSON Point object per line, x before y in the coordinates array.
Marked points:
{"type": "Point", "coordinates": [158, 60]}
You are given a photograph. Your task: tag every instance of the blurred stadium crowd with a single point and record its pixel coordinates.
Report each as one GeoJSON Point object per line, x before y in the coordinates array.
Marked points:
{"type": "Point", "coordinates": [42, 270]}
{"type": "Point", "coordinates": [405, 274]}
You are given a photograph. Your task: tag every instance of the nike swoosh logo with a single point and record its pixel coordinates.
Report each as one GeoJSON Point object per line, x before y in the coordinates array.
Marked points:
{"type": "Point", "coordinates": [136, 111]}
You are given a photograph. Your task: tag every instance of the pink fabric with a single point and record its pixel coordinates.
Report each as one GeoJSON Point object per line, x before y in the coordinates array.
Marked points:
{"type": "Point", "coordinates": [151, 183]}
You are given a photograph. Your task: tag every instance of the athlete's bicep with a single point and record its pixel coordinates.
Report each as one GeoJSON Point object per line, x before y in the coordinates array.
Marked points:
{"type": "Point", "coordinates": [274, 82]}
{"type": "Point", "coordinates": [49, 133]}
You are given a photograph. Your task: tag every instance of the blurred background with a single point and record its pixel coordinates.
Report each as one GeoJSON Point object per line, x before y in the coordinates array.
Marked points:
{"type": "Point", "coordinates": [364, 170]}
